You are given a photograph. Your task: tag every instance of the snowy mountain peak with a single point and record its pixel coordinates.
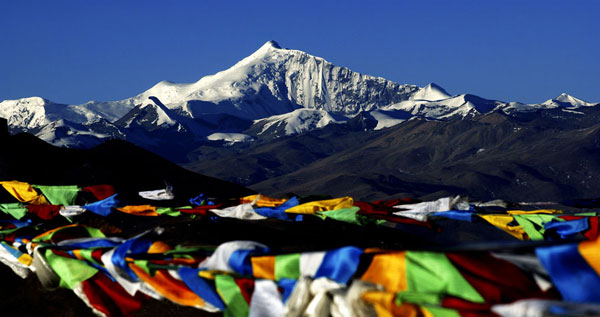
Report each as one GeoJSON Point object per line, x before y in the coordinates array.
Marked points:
{"type": "Point", "coordinates": [295, 122]}
{"type": "Point", "coordinates": [566, 100]}
{"type": "Point", "coordinates": [30, 101]}
{"type": "Point", "coordinates": [271, 93]}
{"type": "Point", "coordinates": [431, 92]}
{"type": "Point", "coordinates": [269, 46]}
{"type": "Point", "coordinates": [273, 81]}
{"type": "Point", "coordinates": [29, 113]}
{"type": "Point", "coordinates": [273, 44]}
{"type": "Point", "coordinates": [572, 100]}
{"type": "Point", "coordinates": [457, 107]}
{"type": "Point", "coordinates": [267, 49]}
{"type": "Point", "coordinates": [164, 83]}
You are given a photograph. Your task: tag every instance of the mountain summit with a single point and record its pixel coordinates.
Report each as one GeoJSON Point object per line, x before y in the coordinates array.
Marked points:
{"type": "Point", "coordinates": [431, 92]}
{"type": "Point", "coordinates": [272, 93]}
{"type": "Point", "coordinates": [566, 100]}
{"type": "Point", "coordinates": [273, 44]}
{"type": "Point", "coordinates": [273, 81]}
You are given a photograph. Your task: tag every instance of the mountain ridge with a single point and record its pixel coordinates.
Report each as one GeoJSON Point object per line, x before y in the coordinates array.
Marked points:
{"type": "Point", "coordinates": [272, 93]}
{"type": "Point", "coordinates": [551, 155]}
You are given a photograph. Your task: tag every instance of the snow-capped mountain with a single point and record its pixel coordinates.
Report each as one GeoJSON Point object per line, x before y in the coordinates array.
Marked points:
{"type": "Point", "coordinates": [150, 115]}
{"type": "Point", "coordinates": [457, 107]}
{"type": "Point", "coordinates": [563, 101]}
{"type": "Point", "coordinates": [566, 101]}
{"type": "Point", "coordinates": [35, 112]}
{"type": "Point", "coordinates": [269, 82]}
{"type": "Point", "coordinates": [294, 122]}
{"type": "Point", "coordinates": [275, 81]}
{"type": "Point", "coordinates": [274, 92]}
{"type": "Point", "coordinates": [431, 92]}
{"type": "Point", "coordinates": [389, 118]}
{"type": "Point", "coordinates": [69, 134]}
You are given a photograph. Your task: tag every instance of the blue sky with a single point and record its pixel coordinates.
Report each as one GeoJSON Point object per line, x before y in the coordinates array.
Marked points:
{"type": "Point", "coordinates": [75, 51]}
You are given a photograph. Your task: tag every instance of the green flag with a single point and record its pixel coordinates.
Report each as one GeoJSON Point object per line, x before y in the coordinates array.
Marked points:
{"type": "Point", "coordinates": [71, 271]}
{"type": "Point", "coordinates": [59, 195]}
{"type": "Point", "coordinates": [17, 210]}
{"type": "Point", "coordinates": [433, 273]}
{"type": "Point", "coordinates": [232, 296]}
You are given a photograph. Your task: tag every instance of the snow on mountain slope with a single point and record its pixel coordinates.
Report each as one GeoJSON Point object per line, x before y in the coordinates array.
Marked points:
{"type": "Point", "coordinates": [516, 107]}
{"type": "Point", "coordinates": [389, 118]}
{"type": "Point", "coordinates": [273, 92]}
{"type": "Point", "coordinates": [566, 101]}
{"type": "Point", "coordinates": [461, 106]}
{"type": "Point", "coordinates": [431, 92]}
{"type": "Point", "coordinates": [151, 113]}
{"type": "Point", "coordinates": [68, 134]}
{"type": "Point", "coordinates": [163, 117]}
{"type": "Point", "coordinates": [229, 138]}
{"type": "Point", "coordinates": [109, 110]}
{"type": "Point", "coordinates": [152, 119]}
{"type": "Point", "coordinates": [35, 112]}
{"type": "Point", "coordinates": [295, 122]}
{"type": "Point", "coordinates": [275, 81]}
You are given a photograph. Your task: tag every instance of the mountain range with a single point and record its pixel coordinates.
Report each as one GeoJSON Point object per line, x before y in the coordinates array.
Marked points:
{"type": "Point", "coordinates": [544, 156]}
{"type": "Point", "coordinates": [290, 121]}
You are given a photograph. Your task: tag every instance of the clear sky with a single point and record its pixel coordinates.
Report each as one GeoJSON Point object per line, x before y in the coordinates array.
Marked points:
{"type": "Point", "coordinates": [75, 51]}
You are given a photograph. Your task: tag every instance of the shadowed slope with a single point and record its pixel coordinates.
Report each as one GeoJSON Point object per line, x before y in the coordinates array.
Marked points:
{"type": "Point", "coordinates": [121, 164]}
{"type": "Point", "coordinates": [546, 155]}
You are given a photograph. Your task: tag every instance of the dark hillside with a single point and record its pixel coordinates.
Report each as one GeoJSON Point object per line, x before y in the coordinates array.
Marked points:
{"type": "Point", "coordinates": [121, 164]}
{"type": "Point", "coordinates": [546, 155]}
